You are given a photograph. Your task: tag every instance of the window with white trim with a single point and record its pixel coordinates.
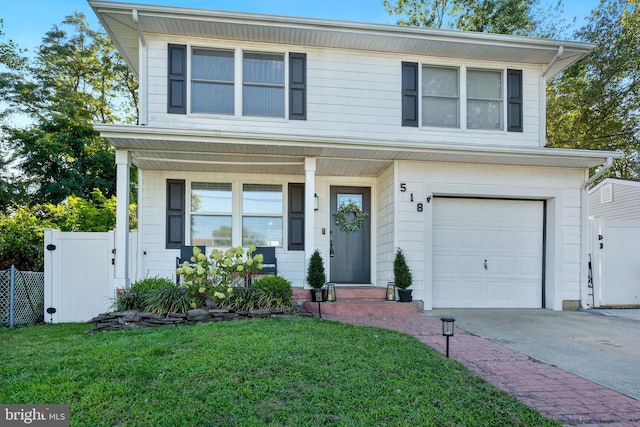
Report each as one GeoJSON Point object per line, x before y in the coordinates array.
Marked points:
{"type": "Point", "coordinates": [440, 97]}
{"type": "Point", "coordinates": [211, 214]}
{"type": "Point", "coordinates": [262, 84]}
{"type": "Point", "coordinates": [485, 100]}
{"type": "Point", "coordinates": [262, 223]}
{"type": "Point", "coordinates": [212, 77]}
{"type": "Point", "coordinates": [461, 97]}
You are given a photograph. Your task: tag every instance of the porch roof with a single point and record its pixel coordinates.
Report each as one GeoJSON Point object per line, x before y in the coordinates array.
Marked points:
{"type": "Point", "coordinates": [217, 151]}
{"type": "Point", "coordinates": [128, 23]}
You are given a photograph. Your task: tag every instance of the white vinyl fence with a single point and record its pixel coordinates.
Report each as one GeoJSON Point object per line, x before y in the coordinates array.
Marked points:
{"type": "Point", "coordinates": [79, 274]}
{"type": "Point", "coordinates": [615, 260]}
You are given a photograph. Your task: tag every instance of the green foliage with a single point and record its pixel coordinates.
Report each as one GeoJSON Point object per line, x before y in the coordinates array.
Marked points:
{"type": "Point", "coordinates": [170, 298]}
{"type": "Point", "coordinates": [22, 230]}
{"type": "Point", "coordinates": [214, 277]}
{"type": "Point", "coordinates": [275, 372]}
{"type": "Point", "coordinates": [22, 240]}
{"type": "Point", "coordinates": [75, 79]}
{"type": "Point", "coordinates": [316, 276]}
{"type": "Point", "coordinates": [275, 284]}
{"type": "Point", "coordinates": [155, 295]}
{"type": "Point", "coordinates": [594, 103]}
{"type": "Point", "coordinates": [401, 272]}
{"type": "Point", "coordinates": [517, 17]}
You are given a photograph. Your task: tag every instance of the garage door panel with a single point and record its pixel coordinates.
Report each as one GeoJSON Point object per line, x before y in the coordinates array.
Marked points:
{"type": "Point", "coordinates": [505, 233]}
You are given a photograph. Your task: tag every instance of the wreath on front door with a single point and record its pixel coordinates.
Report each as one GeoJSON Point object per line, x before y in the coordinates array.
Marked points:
{"type": "Point", "coordinates": [355, 223]}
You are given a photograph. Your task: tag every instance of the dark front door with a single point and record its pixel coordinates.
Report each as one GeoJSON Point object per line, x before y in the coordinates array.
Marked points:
{"type": "Point", "coordinates": [350, 252]}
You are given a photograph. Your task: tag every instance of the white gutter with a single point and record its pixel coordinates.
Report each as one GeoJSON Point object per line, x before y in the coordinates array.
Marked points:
{"type": "Point", "coordinates": [584, 290]}
{"type": "Point", "coordinates": [553, 61]}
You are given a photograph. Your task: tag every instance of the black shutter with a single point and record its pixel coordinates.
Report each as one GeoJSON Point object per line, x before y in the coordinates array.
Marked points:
{"type": "Point", "coordinates": [177, 83]}
{"type": "Point", "coordinates": [175, 213]}
{"type": "Point", "coordinates": [296, 217]}
{"type": "Point", "coordinates": [410, 94]}
{"type": "Point", "coordinates": [298, 86]}
{"type": "Point", "coordinates": [514, 101]}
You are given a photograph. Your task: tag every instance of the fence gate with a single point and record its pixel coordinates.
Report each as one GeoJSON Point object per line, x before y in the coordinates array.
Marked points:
{"type": "Point", "coordinates": [616, 270]}
{"type": "Point", "coordinates": [21, 297]}
{"type": "Point", "coordinates": [78, 275]}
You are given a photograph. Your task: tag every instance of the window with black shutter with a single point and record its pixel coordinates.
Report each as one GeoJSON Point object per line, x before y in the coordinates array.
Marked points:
{"type": "Point", "coordinates": [514, 101]}
{"type": "Point", "coordinates": [296, 217]}
{"type": "Point", "coordinates": [298, 86]}
{"type": "Point", "coordinates": [175, 213]}
{"type": "Point", "coordinates": [410, 94]}
{"type": "Point", "coordinates": [177, 85]}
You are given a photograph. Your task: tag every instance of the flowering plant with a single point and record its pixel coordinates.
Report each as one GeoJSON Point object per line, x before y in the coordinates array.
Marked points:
{"type": "Point", "coordinates": [215, 276]}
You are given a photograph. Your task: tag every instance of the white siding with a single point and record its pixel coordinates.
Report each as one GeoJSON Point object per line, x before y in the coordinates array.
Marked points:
{"type": "Point", "coordinates": [560, 188]}
{"type": "Point", "coordinates": [385, 228]}
{"type": "Point", "coordinates": [351, 94]}
{"type": "Point", "coordinates": [624, 202]}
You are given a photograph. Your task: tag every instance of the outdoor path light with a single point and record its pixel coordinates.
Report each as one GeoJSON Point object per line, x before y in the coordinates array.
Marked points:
{"type": "Point", "coordinates": [331, 292]}
{"type": "Point", "coordinates": [447, 329]}
{"type": "Point", "coordinates": [391, 291]}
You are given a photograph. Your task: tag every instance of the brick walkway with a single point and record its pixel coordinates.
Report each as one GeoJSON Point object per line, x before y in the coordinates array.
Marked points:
{"type": "Point", "coordinates": [558, 394]}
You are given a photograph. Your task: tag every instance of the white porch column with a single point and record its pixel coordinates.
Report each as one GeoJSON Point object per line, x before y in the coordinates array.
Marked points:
{"type": "Point", "coordinates": [123, 164]}
{"type": "Point", "coordinates": [309, 212]}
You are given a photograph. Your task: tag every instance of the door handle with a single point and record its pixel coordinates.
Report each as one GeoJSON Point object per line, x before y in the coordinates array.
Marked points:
{"type": "Point", "coordinates": [486, 266]}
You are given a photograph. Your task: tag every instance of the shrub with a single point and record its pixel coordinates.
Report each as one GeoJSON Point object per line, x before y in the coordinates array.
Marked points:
{"type": "Point", "coordinates": [315, 273]}
{"type": "Point", "coordinates": [214, 277]}
{"type": "Point", "coordinates": [156, 295]}
{"type": "Point", "coordinates": [266, 293]}
{"type": "Point", "coordinates": [277, 285]}
{"type": "Point", "coordinates": [401, 271]}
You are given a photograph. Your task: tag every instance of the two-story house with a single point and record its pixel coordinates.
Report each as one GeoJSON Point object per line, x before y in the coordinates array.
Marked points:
{"type": "Point", "coordinates": [257, 129]}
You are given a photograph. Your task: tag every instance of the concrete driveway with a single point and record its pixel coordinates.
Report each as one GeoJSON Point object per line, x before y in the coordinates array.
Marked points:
{"type": "Point", "coordinates": [602, 346]}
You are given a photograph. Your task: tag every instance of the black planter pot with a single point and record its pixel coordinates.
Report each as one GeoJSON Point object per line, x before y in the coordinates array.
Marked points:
{"type": "Point", "coordinates": [405, 295]}
{"type": "Point", "coordinates": [321, 293]}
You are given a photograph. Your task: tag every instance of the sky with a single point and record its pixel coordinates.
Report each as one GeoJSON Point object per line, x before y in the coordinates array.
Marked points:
{"type": "Point", "coordinates": [26, 21]}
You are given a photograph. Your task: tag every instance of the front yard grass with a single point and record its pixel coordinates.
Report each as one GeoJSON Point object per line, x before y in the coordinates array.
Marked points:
{"type": "Point", "coordinates": [281, 372]}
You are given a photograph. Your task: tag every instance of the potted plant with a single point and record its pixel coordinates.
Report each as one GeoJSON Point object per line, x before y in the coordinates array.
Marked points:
{"type": "Point", "coordinates": [402, 277]}
{"type": "Point", "coordinates": [316, 277]}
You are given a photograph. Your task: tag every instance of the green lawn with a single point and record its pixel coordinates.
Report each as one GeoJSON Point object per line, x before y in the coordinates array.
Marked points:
{"type": "Point", "coordinates": [281, 372]}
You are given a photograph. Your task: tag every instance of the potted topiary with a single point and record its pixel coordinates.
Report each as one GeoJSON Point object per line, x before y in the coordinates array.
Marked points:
{"type": "Point", "coordinates": [402, 277]}
{"type": "Point", "coordinates": [316, 277]}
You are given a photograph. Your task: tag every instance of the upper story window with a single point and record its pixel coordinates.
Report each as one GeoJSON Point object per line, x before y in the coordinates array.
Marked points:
{"type": "Point", "coordinates": [263, 85]}
{"type": "Point", "coordinates": [484, 99]}
{"type": "Point", "coordinates": [444, 102]}
{"type": "Point", "coordinates": [212, 76]}
{"type": "Point", "coordinates": [440, 97]}
{"type": "Point", "coordinates": [238, 83]}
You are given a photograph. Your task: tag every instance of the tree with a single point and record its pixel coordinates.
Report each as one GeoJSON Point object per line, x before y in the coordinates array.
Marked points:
{"type": "Point", "coordinates": [594, 104]}
{"type": "Point", "coordinates": [518, 17]}
{"type": "Point", "coordinates": [76, 78]}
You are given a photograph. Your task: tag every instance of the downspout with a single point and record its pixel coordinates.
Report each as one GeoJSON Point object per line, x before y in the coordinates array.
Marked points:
{"type": "Point", "coordinates": [142, 75]}
{"type": "Point", "coordinates": [553, 61]}
{"type": "Point", "coordinates": [583, 231]}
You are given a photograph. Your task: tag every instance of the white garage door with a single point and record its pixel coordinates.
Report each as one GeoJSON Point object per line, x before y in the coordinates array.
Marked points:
{"type": "Point", "coordinates": [487, 253]}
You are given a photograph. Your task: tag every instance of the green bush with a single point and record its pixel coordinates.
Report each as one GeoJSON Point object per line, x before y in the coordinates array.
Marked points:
{"type": "Point", "coordinates": [156, 295]}
{"type": "Point", "coordinates": [401, 272]}
{"type": "Point", "coordinates": [316, 276]}
{"type": "Point", "coordinates": [266, 293]}
{"type": "Point", "coordinates": [277, 285]}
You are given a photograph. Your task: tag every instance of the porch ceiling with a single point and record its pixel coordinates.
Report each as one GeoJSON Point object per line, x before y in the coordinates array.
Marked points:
{"type": "Point", "coordinates": [125, 22]}
{"type": "Point", "coordinates": [189, 150]}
